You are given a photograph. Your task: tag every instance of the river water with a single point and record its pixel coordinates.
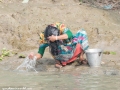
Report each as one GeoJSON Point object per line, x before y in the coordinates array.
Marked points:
{"type": "Point", "coordinates": [102, 78]}
{"type": "Point", "coordinates": [70, 77]}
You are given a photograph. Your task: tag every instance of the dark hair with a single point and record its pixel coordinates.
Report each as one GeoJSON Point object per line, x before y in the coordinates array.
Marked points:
{"type": "Point", "coordinates": [49, 31]}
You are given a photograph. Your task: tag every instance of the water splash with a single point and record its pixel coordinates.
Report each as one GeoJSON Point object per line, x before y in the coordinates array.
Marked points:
{"type": "Point", "coordinates": [27, 65]}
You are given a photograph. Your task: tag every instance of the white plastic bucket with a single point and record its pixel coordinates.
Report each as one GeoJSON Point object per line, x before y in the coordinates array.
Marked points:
{"type": "Point", "coordinates": [94, 57]}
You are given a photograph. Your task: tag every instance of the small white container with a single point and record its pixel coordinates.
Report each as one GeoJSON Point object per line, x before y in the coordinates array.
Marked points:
{"type": "Point", "coordinates": [94, 57]}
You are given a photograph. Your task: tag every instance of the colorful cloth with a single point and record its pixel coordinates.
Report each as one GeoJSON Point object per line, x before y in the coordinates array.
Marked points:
{"type": "Point", "coordinates": [81, 37]}
{"type": "Point", "coordinates": [67, 49]}
{"type": "Point", "coordinates": [77, 51]}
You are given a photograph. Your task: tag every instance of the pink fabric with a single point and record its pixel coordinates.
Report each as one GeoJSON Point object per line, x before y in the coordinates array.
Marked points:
{"type": "Point", "coordinates": [78, 50]}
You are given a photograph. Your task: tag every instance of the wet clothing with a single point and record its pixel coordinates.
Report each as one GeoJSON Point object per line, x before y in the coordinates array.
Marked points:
{"type": "Point", "coordinates": [69, 48]}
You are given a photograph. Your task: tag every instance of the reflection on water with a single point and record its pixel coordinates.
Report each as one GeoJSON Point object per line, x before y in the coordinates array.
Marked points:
{"type": "Point", "coordinates": [91, 79]}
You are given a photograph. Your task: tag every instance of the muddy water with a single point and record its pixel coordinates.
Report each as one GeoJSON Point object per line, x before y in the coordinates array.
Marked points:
{"type": "Point", "coordinates": [102, 78]}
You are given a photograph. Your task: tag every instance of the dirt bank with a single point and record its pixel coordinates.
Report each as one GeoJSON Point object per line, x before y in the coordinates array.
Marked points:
{"type": "Point", "coordinates": [20, 23]}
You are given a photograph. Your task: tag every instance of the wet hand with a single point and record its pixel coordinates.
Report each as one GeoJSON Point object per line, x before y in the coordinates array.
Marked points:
{"type": "Point", "coordinates": [52, 38]}
{"type": "Point", "coordinates": [31, 55]}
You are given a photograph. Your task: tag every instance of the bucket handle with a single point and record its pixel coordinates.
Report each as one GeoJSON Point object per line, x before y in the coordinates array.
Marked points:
{"type": "Point", "coordinates": [100, 53]}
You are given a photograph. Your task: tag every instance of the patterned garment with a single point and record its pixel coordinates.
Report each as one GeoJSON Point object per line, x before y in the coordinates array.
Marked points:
{"type": "Point", "coordinates": [66, 51]}
{"type": "Point", "coordinates": [81, 37]}
{"type": "Point", "coordinates": [67, 47]}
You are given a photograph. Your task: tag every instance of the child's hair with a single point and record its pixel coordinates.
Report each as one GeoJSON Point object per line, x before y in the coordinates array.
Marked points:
{"type": "Point", "coordinates": [49, 31]}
